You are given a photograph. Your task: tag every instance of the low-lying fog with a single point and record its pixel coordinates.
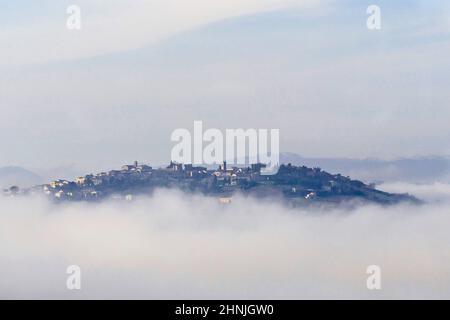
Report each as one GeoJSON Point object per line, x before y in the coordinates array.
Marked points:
{"type": "Point", "coordinates": [176, 246]}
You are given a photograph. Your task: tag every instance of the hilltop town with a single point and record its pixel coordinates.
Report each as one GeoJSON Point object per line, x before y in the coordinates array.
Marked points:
{"type": "Point", "coordinates": [297, 184]}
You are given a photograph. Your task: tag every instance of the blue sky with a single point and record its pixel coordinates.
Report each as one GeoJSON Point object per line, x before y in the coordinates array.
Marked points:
{"type": "Point", "coordinates": [115, 90]}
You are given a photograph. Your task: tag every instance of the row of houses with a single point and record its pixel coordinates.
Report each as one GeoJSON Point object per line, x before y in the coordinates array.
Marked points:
{"type": "Point", "coordinates": [94, 186]}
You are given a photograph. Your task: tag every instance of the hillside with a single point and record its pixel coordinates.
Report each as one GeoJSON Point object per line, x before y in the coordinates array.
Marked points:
{"type": "Point", "coordinates": [297, 185]}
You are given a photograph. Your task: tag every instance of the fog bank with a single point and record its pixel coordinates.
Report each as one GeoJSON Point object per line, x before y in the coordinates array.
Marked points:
{"type": "Point", "coordinates": [177, 246]}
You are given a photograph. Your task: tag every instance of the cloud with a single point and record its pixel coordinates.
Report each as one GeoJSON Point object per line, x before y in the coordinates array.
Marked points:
{"type": "Point", "coordinates": [115, 27]}
{"type": "Point", "coordinates": [176, 246]}
{"type": "Point", "coordinates": [436, 192]}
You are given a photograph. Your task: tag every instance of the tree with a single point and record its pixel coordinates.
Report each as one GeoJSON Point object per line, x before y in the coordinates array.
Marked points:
{"type": "Point", "coordinates": [14, 189]}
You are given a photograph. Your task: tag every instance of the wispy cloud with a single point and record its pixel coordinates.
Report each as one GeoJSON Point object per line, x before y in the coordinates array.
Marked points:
{"type": "Point", "coordinates": [114, 26]}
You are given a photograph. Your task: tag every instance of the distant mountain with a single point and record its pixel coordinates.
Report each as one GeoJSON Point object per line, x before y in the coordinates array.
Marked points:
{"type": "Point", "coordinates": [415, 170]}
{"type": "Point", "coordinates": [17, 176]}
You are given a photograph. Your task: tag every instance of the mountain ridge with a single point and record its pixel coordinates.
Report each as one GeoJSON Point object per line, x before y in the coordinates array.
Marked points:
{"type": "Point", "coordinates": [18, 176]}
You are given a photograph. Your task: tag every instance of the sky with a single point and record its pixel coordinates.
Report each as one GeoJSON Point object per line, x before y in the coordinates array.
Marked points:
{"type": "Point", "coordinates": [114, 91]}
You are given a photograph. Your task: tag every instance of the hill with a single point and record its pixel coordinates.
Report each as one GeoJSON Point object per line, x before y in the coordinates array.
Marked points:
{"type": "Point", "coordinates": [296, 185]}
{"type": "Point", "coordinates": [17, 176]}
